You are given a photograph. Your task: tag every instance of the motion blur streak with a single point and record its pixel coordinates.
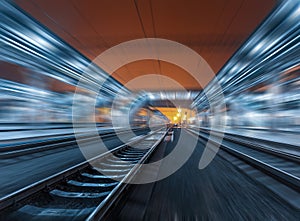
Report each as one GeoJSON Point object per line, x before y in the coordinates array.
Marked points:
{"type": "Point", "coordinates": [261, 81]}
{"type": "Point", "coordinates": [42, 58]}
{"type": "Point", "coordinates": [228, 150]}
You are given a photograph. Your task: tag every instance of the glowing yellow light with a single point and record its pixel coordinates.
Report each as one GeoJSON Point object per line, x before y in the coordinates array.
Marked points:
{"type": "Point", "coordinates": [174, 118]}
{"type": "Point", "coordinates": [178, 115]}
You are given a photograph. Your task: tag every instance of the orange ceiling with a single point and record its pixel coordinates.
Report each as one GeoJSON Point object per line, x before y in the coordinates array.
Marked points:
{"type": "Point", "coordinates": [213, 28]}
{"type": "Point", "coordinates": [139, 75]}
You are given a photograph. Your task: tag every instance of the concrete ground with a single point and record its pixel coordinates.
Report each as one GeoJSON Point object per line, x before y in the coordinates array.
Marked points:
{"type": "Point", "coordinates": [218, 192]}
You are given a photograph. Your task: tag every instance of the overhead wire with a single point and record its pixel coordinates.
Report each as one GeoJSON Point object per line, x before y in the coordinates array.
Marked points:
{"type": "Point", "coordinates": [60, 26]}
{"type": "Point", "coordinates": [105, 43]}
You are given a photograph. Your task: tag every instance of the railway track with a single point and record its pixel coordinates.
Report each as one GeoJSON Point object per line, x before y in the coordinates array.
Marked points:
{"type": "Point", "coordinates": [264, 156]}
{"type": "Point", "coordinates": [287, 151]}
{"type": "Point", "coordinates": [85, 191]}
{"type": "Point", "coordinates": [41, 144]}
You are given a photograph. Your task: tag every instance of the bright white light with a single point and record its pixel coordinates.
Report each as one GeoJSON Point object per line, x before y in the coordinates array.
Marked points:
{"type": "Point", "coordinates": [37, 91]}
{"type": "Point", "coordinates": [151, 96]}
{"type": "Point", "coordinates": [296, 13]}
{"type": "Point", "coordinates": [263, 97]}
{"type": "Point", "coordinates": [189, 95]}
{"type": "Point", "coordinates": [257, 48]}
{"type": "Point", "coordinates": [38, 40]}
{"type": "Point", "coordinates": [191, 119]}
{"type": "Point", "coordinates": [251, 115]}
{"type": "Point", "coordinates": [233, 69]}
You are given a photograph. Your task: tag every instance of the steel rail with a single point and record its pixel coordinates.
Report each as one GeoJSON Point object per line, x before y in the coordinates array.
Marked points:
{"type": "Point", "coordinates": [29, 190]}
{"type": "Point", "coordinates": [277, 173]}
